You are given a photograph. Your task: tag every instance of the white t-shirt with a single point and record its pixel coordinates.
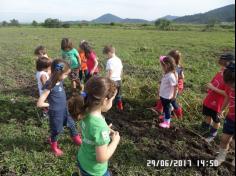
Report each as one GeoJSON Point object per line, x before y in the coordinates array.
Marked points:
{"type": "Point", "coordinates": [115, 65]}
{"type": "Point", "coordinates": [39, 74]}
{"type": "Point", "coordinates": [168, 83]}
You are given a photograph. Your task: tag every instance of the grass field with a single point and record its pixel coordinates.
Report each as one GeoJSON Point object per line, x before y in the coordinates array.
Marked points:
{"type": "Point", "coordinates": [23, 150]}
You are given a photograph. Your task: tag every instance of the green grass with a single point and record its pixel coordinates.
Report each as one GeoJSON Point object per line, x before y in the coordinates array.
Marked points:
{"type": "Point", "coordinates": [23, 133]}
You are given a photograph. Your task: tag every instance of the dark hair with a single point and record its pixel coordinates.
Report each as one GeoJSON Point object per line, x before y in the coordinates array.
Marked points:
{"type": "Point", "coordinates": [229, 74]}
{"type": "Point", "coordinates": [66, 44]}
{"type": "Point", "coordinates": [108, 49]}
{"type": "Point", "coordinates": [169, 63]}
{"type": "Point", "coordinates": [226, 59]}
{"type": "Point", "coordinates": [176, 55]}
{"type": "Point", "coordinates": [86, 48]}
{"type": "Point", "coordinates": [58, 68]}
{"type": "Point", "coordinates": [43, 63]}
{"type": "Point", "coordinates": [96, 90]}
{"type": "Point", "coordinates": [40, 50]}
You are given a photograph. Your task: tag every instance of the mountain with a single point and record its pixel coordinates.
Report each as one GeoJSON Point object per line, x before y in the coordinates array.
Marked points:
{"type": "Point", "coordinates": [223, 14]}
{"type": "Point", "coordinates": [107, 18]}
{"type": "Point", "coordinates": [169, 17]}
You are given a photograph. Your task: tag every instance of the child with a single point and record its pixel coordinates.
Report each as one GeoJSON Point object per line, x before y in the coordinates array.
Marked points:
{"type": "Point", "coordinates": [114, 70]}
{"type": "Point", "coordinates": [229, 124]}
{"type": "Point", "coordinates": [213, 102]}
{"type": "Point", "coordinates": [43, 66]}
{"type": "Point", "coordinates": [99, 140]}
{"type": "Point", "coordinates": [179, 70]}
{"type": "Point", "coordinates": [92, 60]}
{"type": "Point", "coordinates": [40, 51]}
{"type": "Point", "coordinates": [71, 55]}
{"type": "Point", "coordinates": [57, 104]}
{"type": "Point", "coordinates": [83, 74]}
{"type": "Point", "coordinates": [168, 88]}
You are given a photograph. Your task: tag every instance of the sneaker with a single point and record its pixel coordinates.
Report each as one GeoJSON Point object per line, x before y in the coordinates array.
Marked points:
{"type": "Point", "coordinates": [221, 157]}
{"type": "Point", "coordinates": [210, 139]}
{"type": "Point", "coordinates": [165, 125]}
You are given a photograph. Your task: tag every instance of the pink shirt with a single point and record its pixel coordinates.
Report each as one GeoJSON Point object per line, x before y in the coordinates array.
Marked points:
{"type": "Point", "coordinates": [231, 93]}
{"type": "Point", "coordinates": [91, 62]}
{"type": "Point", "coordinates": [214, 100]}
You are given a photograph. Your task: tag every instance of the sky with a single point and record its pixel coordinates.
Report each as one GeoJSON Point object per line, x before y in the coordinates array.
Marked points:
{"type": "Point", "coordinates": [65, 10]}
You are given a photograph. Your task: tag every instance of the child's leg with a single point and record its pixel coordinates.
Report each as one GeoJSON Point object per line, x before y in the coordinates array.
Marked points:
{"type": "Point", "coordinates": [214, 128]}
{"type": "Point", "coordinates": [56, 127]}
{"type": "Point", "coordinates": [177, 109]}
{"type": "Point", "coordinates": [167, 113]}
{"type": "Point", "coordinates": [228, 133]}
{"type": "Point", "coordinates": [81, 75]}
{"type": "Point", "coordinates": [70, 123]}
{"type": "Point", "coordinates": [206, 124]}
{"type": "Point", "coordinates": [118, 99]}
{"type": "Point", "coordinates": [73, 84]}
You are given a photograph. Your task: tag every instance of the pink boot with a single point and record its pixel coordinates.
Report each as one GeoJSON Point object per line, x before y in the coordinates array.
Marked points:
{"type": "Point", "coordinates": [77, 140]}
{"type": "Point", "coordinates": [165, 124]}
{"type": "Point", "coordinates": [120, 105]}
{"type": "Point", "coordinates": [57, 152]}
{"type": "Point", "coordinates": [179, 113]}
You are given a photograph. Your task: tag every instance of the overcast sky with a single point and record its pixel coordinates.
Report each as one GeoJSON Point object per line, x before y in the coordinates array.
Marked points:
{"type": "Point", "coordinates": [28, 10]}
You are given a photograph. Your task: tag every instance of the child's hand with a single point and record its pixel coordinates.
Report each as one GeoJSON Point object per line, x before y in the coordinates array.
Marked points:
{"type": "Point", "coordinates": [115, 136]}
{"type": "Point", "coordinates": [209, 86]}
{"type": "Point", "coordinates": [221, 115]}
{"type": "Point", "coordinates": [111, 130]}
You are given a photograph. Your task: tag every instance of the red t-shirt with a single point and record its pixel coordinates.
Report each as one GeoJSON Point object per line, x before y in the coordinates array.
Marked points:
{"type": "Point", "coordinates": [91, 62]}
{"type": "Point", "coordinates": [231, 93]}
{"type": "Point", "coordinates": [214, 100]}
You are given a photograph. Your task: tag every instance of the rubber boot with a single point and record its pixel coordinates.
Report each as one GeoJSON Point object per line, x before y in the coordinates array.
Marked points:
{"type": "Point", "coordinates": [77, 140]}
{"type": "Point", "coordinates": [120, 105]}
{"type": "Point", "coordinates": [179, 113]}
{"type": "Point", "coordinates": [159, 107]}
{"type": "Point", "coordinates": [54, 147]}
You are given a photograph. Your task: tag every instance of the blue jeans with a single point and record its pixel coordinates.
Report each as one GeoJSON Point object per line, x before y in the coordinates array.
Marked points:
{"type": "Point", "coordinates": [167, 108]}
{"type": "Point", "coordinates": [57, 120]}
{"type": "Point", "coordinates": [84, 173]}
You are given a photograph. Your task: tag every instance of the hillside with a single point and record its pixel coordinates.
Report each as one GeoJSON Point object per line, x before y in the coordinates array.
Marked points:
{"type": "Point", "coordinates": [223, 14]}
{"type": "Point", "coordinates": [109, 18]}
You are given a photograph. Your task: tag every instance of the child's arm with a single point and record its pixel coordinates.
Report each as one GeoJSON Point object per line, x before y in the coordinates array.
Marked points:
{"type": "Point", "coordinates": [175, 92]}
{"type": "Point", "coordinates": [42, 100]}
{"type": "Point", "coordinates": [215, 89]}
{"type": "Point", "coordinates": [95, 65]}
{"type": "Point", "coordinates": [182, 75]}
{"type": "Point", "coordinates": [225, 104]}
{"type": "Point", "coordinates": [109, 73]}
{"type": "Point", "coordinates": [43, 79]}
{"type": "Point", "coordinates": [79, 59]}
{"type": "Point", "coordinates": [105, 152]}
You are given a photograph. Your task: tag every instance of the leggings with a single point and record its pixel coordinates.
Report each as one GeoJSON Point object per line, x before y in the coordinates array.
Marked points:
{"type": "Point", "coordinates": [167, 108]}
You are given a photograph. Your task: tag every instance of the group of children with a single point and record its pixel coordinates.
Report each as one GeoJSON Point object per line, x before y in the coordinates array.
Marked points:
{"type": "Point", "coordinates": [98, 141]}
{"type": "Point", "coordinates": [86, 104]}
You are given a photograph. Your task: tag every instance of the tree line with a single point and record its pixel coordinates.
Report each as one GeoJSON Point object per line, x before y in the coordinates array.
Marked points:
{"type": "Point", "coordinates": [49, 23]}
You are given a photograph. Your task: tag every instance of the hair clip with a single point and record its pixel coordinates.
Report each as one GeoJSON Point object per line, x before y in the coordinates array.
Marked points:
{"type": "Point", "coordinates": [59, 67]}
{"type": "Point", "coordinates": [84, 94]}
{"type": "Point", "coordinates": [162, 58]}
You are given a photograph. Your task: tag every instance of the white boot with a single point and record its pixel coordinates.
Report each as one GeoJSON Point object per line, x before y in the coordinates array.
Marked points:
{"type": "Point", "coordinates": [222, 156]}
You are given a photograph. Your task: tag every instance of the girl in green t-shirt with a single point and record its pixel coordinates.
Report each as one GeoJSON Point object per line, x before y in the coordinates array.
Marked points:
{"type": "Point", "coordinates": [99, 140]}
{"type": "Point", "coordinates": [71, 55]}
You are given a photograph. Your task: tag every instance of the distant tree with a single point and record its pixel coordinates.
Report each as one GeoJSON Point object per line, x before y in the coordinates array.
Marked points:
{"type": "Point", "coordinates": [210, 25]}
{"type": "Point", "coordinates": [66, 25]}
{"type": "Point", "coordinates": [14, 22]}
{"type": "Point", "coordinates": [163, 24]}
{"type": "Point", "coordinates": [112, 24]}
{"type": "Point", "coordinates": [4, 23]}
{"type": "Point", "coordinates": [34, 23]}
{"type": "Point", "coordinates": [52, 23]}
